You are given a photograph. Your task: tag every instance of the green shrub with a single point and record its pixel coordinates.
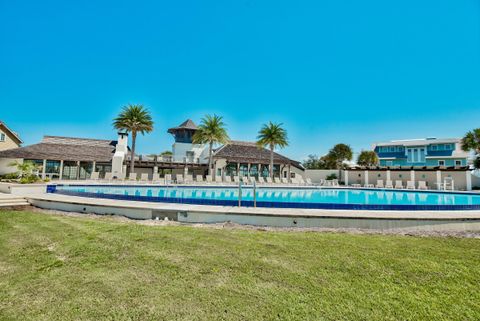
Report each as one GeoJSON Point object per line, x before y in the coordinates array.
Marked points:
{"type": "Point", "coordinates": [10, 176]}
{"type": "Point", "coordinates": [29, 179]}
{"type": "Point", "coordinates": [332, 176]}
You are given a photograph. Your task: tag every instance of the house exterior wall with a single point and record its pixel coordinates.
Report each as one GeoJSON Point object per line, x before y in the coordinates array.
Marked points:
{"type": "Point", "coordinates": [5, 167]}
{"type": "Point", "coordinates": [8, 142]}
{"type": "Point", "coordinates": [434, 153]}
{"type": "Point", "coordinates": [430, 162]}
{"type": "Point", "coordinates": [200, 152]}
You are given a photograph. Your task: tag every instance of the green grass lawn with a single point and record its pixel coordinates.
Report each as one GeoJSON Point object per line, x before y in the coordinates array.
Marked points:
{"type": "Point", "coordinates": [55, 267]}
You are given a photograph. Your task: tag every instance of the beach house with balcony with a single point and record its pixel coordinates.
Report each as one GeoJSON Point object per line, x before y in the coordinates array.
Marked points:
{"type": "Point", "coordinates": [8, 138]}
{"type": "Point", "coordinates": [425, 152]}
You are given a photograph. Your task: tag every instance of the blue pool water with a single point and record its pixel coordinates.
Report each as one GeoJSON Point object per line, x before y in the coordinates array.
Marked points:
{"type": "Point", "coordinates": [282, 197]}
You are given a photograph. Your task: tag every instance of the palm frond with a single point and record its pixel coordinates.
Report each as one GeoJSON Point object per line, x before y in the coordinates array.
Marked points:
{"type": "Point", "coordinates": [134, 118]}
{"type": "Point", "coordinates": [272, 135]}
{"type": "Point", "coordinates": [211, 131]}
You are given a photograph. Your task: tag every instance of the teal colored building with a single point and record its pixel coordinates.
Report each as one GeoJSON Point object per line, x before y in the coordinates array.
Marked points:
{"type": "Point", "coordinates": [430, 152]}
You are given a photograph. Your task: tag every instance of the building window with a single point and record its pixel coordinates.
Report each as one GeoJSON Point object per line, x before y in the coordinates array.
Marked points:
{"type": "Point", "coordinates": [458, 163]}
{"type": "Point", "coordinates": [392, 149]}
{"type": "Point", "coordinates": [441, 163]}
{"type": "Point", "coordinates": [416, 155]}
{"type": "Point", "coordinates": [389, 163]}
{"type": "Point", "coordinates": [2, 137]}
{"type": "Point", "coordinates": [434, 147]}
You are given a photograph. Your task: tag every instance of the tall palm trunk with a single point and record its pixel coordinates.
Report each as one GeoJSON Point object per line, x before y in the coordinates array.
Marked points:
{"type": "Point", "coordinates": [271, 161]}
{"type": "Point", "coordinates": [132, 161]}
{"type": "Point", "coordinates": [210, 161]}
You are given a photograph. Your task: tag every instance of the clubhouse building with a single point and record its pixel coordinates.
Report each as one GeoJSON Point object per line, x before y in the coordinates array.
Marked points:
{"type": "Point", "coordinates": [72, 158]}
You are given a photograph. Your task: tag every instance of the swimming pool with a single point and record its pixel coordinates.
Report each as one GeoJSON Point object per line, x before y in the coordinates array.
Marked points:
{"type": "Point", "coordinates": [319, 198]}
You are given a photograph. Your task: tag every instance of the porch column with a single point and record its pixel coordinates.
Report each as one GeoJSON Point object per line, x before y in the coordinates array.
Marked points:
{"type": "Point", "coordinates": [238, 169]}
{"type": "Point", "coordinates": [468, 180]}
{"type": "Point", "coordinates": [248, 170]}
{"type": "Point", "coordinates": [155, 169]}
{"type": "Point", "coordinates": [412, 176]}
{"type": "Point", "coordinates": [439, 179]}
{"type": "Point", "coordinates": [346, 178]}
{"type": "Point", "coordinates": [60, 176]}
{"type": "Point", "coordinates": [366, 177]}
{"type": "Point", "coordinates": [94, 165]}
{"type": "Point", "coordinates": [44, 168]}
{"type": "Point", "coordinates": [259, 170]}
{"type": "Point", "coordinates": [389, 178]}
{"type": "Point", "coordinates": [78, 170]}
{"type": "Point", "coordinates": [289, 171]}
{"type": "Point", "coordinates": [185, 172]}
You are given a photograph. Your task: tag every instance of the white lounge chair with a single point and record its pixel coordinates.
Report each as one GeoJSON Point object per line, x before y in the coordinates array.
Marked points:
{"type": "Point", "coordinates": [398, 184]}
{"type": "Point", "coordinates": [410, 185]}
{"type": "Point", "coordinates": [144, 177]}
{"type": "Point", "coordinates": [300, 181]}
{"type": "Point", "coordinates": [199, 178]}
{"type": "Point", "coordinates": [388, 184]}
{"type": "Point", "coordinates": [261, 180]}
{"type": "Point", "coordinates": [155, 178]}
{"type": "Point", "coordinates": [188, 179]}
{"type": "Point", "coordinates": [236, 179]}
{"type": "Point", "coordinates": [308, 181]}
{"type": "Point", "coordinates": [422, 185]}
{"type": "Point", "coordinates": [94, 176]}
{"type": "Point", "coordinates": [180, 179]}
{"type": "Point", "coordinates": [228, 179]}
{"type": "Point", "coordinates": [245, 180]}
{"type": "Point", "coordinates": [132, 177]}
{"type": "Point", "coordinates": [208, 179]}
{"type": "Point", "coordinates": [168, 178]}
{"type": "Point", "coordinates": [380, 183]}
{"type": "Point", "coordinates": [108, 176]}
{"type": "Point", "coordinates": [252, 180]}
{"type": "Point", "coordinates": [218, 179]}
{"type": "Point", "coordinates": [277, 180]}
{"type": "Point", "coordinates": [269, 180]}
{"type": "Point", "coordinates": [284, 180]}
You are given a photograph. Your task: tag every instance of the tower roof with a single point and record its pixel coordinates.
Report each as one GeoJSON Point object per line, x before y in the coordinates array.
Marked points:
{"type": "Point", "coordinates": [188, 124]}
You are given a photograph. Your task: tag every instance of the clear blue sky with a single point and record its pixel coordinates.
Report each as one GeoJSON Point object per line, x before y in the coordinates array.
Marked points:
{"type": "Point", "coordinates": [332, 71]}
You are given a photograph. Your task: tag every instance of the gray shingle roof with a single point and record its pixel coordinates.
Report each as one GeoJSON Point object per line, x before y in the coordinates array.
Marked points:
{"type": "Point", "coordinates": [65, 148]}
{"type": "Point", "coordinates": [188, 124]}
{"type": "Point", "coordinates": [249, 152]}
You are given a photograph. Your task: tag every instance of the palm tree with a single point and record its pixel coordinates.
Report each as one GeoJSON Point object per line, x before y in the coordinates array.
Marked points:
{"type": "Point", "coordinates": [272, 135]}
{"type": "Point", "coordinates": [134, 119]}
{"type": "Point", "coordinates": [25, 168]}
{"type": "Point", "coordinates": [338, 155]}
{"type": "Point", "coordinates": [367, 158]}
{"type": "Point", "coordinates": [211, 131]}
{"type": "Point", "coordinates": [470, 141]}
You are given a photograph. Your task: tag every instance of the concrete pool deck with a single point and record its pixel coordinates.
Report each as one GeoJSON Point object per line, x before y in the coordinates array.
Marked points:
{"type": "Point", "coordinates": [277, 217]}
